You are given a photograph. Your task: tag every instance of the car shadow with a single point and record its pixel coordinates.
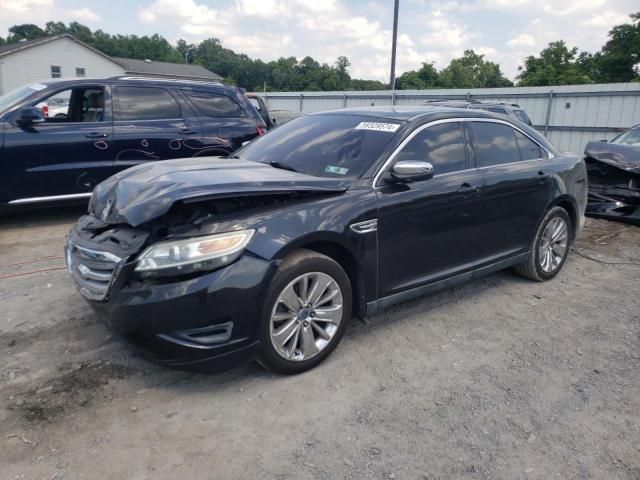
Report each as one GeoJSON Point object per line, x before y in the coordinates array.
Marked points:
{"type": "Point", "coordinates": [24, 217]}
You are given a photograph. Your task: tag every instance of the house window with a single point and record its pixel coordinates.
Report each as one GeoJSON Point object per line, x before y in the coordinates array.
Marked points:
{"type": "Point", "coordinates": [56, 71]}
{"type": "Point", "coordinates": [80, 72]}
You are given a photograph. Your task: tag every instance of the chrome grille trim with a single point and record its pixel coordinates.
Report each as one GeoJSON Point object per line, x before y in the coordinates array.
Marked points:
{"type": "Point", "coordinates": [93, 271]}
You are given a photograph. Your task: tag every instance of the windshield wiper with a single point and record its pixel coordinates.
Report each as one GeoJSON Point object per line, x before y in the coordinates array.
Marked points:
{"type": "Point", "coordinates": [283, 166]}
{"type": "Point", "coordinates": [233, 156]}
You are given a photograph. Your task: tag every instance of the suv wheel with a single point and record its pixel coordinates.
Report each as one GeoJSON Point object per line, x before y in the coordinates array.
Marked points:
{"type": "Point", "coordinates": [306, 311]}
{"type": "Point", "coordinates": [550, 247]}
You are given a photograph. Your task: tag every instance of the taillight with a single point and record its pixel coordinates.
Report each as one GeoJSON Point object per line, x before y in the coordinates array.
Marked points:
{"type": "Point", "coordinates": [45, 110]}
{"type": "Point", "coordinates": [261, 130]}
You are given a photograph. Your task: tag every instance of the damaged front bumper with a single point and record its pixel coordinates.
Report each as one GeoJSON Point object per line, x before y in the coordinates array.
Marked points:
{"type": "Point", "coordinates": [206, 322]}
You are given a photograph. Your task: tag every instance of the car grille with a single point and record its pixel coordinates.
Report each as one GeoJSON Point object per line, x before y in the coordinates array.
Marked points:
{"type": "Point", "coordinates": [92, 270]}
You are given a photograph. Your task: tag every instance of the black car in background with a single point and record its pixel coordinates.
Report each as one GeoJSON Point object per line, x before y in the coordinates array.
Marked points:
{"type": "Point", "coordinates": [60, 138]}
{"type": "Point", "coordinates": [512, 110]}
{"type": "Point", "coordinates": [614, 177]}
{"type": "Point", "coordinates": [206, 263]}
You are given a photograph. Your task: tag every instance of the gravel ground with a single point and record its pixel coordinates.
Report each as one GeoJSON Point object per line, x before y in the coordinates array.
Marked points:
{"type": "Point", "coordinates": [500, 378]}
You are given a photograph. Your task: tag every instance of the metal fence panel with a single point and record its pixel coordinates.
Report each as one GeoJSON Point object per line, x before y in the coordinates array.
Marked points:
{"type": "Point", "coordinates": [571, 115]}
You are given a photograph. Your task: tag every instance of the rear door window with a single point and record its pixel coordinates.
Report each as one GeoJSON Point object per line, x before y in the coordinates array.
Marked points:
{"type": "Point", "coordinates": [145, 103]}
{"type": "Point", "coordinates": [494, 144]}
{"type": "Point", "coordinates": [441, 145]}
{"type": "Point", "coordinates": [529, 150]}
{"type": "Point", "coordinates": [213, 105]}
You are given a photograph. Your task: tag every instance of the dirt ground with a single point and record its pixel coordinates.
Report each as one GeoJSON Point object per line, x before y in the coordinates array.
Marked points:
{"type": "Point", "coordinates": [501, 378]}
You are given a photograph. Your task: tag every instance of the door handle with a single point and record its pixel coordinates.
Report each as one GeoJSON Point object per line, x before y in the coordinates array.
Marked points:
{"type": "Point", "coordinates": [542, 176]}
{"type": "Point", "coordinates": [187, 131]}
{"type": "Point", "coordinates": [467, 188]}
{"type": "Point", "coordinates": [96, 135]}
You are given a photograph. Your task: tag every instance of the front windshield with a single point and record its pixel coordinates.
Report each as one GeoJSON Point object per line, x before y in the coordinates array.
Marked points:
{"type": "Point", "coordinates": [335, 146]}
{"type": "Point", "coordinates": [9, 99]}
{"type": "Point", "coordinates": [630, 137]}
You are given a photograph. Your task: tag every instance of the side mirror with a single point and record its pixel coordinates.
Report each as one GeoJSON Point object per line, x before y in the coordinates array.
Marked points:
{"type": "Point", "coordinates": [30, 115]}
{"type": "Point", "coordinates": [412, 170]}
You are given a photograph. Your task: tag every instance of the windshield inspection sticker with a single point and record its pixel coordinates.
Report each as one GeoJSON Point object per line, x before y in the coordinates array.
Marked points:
{"type": "Point", "coordinates": [338, 170]}
{"type": "Point", "coordinates": [380, 127]}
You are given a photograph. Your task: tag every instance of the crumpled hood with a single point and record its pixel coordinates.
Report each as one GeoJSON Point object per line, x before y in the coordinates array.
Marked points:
{"type": "Point", "coordinates": [624, 157]}
{"type": "Point", "coordinates": [145, 192]}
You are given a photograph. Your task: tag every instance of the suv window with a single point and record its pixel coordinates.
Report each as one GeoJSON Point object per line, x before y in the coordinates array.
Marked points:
{"type": "Point", "coordinates": [522, 116]}
{"type": "Point", "coordinates": [441, 145]}
{"type": "Point", "coordinates": [529, 150]}
{"type": "Point", "coordinates": [213, 105]}
{"type": "Point", "coordinates": [82, 104]}
{"type": "Point", "coordinates": [145, 103]}
{"type": "Point", "coordinates": [494, 144]}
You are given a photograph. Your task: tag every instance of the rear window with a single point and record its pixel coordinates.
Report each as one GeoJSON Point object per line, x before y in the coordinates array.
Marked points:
{"type": "Point", "coordinates": [336, 146]}
{"type": "Point", "coordinates": [145, 103]}
{"type": "Point", "coordinates": [213, 105]}
{"type": "Point", "coordinates": [529, 150]}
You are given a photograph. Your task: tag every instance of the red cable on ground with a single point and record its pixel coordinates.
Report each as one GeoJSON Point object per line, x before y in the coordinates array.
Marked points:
{"type": "Point", "coordinates": [53, 257]}
{"type": "Point", "coordinates": [32, 272]}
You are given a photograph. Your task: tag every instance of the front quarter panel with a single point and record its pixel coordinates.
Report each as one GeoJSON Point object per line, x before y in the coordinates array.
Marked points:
{"type": "Point", "coordinates": [320, 219]}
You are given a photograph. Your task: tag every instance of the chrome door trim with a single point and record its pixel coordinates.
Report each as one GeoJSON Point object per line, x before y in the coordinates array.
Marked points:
{"type": "Point", "coordinates": [53, 198]}
{"type": "Point", "coordinates": [397, 150]}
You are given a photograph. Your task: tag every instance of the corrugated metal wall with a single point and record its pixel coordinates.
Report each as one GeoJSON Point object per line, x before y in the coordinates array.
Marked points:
{"type": "Point", "coordinates": [571, 115]}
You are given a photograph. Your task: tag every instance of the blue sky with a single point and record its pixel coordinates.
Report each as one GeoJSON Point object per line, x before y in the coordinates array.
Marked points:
{"type": "Point", "coordinates": [506, 31]}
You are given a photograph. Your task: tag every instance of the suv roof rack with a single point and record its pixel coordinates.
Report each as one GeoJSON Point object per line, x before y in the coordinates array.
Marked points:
{"type": "Point", "coordinates": [161, 79]}
{"type": "Point", "coordinates": [469, 101]}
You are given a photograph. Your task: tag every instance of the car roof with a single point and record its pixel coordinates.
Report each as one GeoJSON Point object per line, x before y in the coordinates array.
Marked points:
{"type": "Point", "coordinates": [408, 113]}
{"type": "Point", "coordinates": [138, 79]}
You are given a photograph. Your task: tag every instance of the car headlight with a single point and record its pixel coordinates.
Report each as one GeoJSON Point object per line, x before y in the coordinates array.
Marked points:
{"type": "Point", "coordinates": [193, 254]}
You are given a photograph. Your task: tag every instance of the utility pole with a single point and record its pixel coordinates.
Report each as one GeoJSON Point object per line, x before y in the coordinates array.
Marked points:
{"type": "Point", "coordinates": [392, 81]}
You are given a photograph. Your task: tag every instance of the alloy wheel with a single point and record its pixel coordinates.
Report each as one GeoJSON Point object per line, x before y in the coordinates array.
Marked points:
{"type": "Point", "coordinates": [306, 316]}
{"type": "Point", "coordinates": [553, 244]}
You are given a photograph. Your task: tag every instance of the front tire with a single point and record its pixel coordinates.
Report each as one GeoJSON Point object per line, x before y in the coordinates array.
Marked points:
{"type": "Point", "coordinates": [550, 247]}
{"type": "Point", "coordinates": [307, 307]}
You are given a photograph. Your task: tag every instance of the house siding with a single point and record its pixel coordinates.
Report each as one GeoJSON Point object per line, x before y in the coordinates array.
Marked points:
{"type": "Point", "coordinates": [34, 64]}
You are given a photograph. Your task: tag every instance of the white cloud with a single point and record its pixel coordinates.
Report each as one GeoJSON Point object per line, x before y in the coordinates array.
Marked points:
{"type": "Point", "coordinates": [605, 19]}
{"type": "Point", "coordinates": [12, 7]}
{"type": "Point", "coordinates": [522, 40]}
{"type": "Point", "coordinates": [83, 14]}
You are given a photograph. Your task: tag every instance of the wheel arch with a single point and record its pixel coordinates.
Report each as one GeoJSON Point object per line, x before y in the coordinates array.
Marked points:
{"type": "Point", "coordinates": [331, 245]}
{"type": "Point", "coordinates": [568, 204]}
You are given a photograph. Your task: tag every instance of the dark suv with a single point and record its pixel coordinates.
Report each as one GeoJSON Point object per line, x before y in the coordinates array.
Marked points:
{"type": "Point", "coordinates": [205, 263]}
{"type": "Point", "coordinates": [512, 110]}
{"type": "Point", "coordinates": [58, 139]}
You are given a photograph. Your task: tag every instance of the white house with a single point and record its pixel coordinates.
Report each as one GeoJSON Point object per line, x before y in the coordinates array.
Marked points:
{"type": "Point", "coordinates": [64, 56]}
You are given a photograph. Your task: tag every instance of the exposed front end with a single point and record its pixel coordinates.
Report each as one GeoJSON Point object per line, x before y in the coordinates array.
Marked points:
{"type": "Point", "coordinates": [197, 320]}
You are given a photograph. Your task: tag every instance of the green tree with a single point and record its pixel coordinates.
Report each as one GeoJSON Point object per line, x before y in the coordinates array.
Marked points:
{"type": "Point", "coordinates": [26, 31]}
{"type": "Point", "coordinates": [556, 65]}
{"type": "Point", "coordinates": [472, 71]}
{"type": "Point", "coordinates": [426, 77]}
{"type": "Point", "coordinates": [619, 59]}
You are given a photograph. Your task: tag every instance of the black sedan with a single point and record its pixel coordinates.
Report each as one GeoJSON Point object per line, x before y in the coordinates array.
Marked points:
{"type": "Point", "coordinates": [209, 262]}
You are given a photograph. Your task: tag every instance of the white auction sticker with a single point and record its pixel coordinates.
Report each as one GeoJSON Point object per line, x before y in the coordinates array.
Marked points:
{"type": "Point", "coordinates": [380, 127]}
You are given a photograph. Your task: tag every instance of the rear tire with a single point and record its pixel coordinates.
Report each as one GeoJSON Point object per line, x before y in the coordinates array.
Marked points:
{"type": "Point", "coordinates": [304, 317]}
{"type": "Point", "coordinates": [549, 248]}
